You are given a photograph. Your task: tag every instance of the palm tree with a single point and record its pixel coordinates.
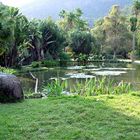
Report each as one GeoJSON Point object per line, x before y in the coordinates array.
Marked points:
{"type": "Point", "coordinates": [19, 32]}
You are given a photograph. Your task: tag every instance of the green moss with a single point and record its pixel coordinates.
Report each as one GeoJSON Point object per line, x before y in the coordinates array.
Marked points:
{"type": "Point", "coordinates": [58, 118]}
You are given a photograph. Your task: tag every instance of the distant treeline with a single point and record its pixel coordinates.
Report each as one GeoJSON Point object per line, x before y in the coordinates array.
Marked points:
{"type": "Point", "coordinates": [23, 41]}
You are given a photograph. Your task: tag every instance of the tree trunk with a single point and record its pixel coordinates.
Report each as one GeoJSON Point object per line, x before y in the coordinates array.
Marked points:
{"type": "Point", "coordinates": [36, 83]}
{"type": "Point", "coordinates": [42, 54]}
{"type": "Point", "coordinates": [133, 47]}
{"type": "Point", "coordinates": [114, 55]}
{"type": "Point", "coordinates": [14, 55]}
{"type": "Point", "coordinates": [38, 53]}
{"type": "Point", "coordinates": [38, 49]}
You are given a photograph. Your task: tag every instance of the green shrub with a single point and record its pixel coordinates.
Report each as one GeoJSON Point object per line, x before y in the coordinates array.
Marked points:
{"type": "Point", "coordinates": [7, 70]}
{"type": "Point", "coordinates": [36, 64]}
{"type": "Point", "coordinates": [82, 57]}
{"type": "Point", "coordinates": [64, 59]}
{"type": "Point", "coordinates": [96, 57]}
{"type": "Point", "coordinates": [49, 63]}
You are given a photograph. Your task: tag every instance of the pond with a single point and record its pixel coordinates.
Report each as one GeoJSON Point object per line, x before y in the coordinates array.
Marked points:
{"type": "Point", "coordinates": [118, 72]}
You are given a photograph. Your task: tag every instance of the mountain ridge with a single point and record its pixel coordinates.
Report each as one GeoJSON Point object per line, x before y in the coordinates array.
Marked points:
{"type": "Point", "coordinates": [92, 9]}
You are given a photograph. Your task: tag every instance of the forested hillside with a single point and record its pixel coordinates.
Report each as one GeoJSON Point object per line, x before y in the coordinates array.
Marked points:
{"type": "Point", "coordinates": [92, 9]}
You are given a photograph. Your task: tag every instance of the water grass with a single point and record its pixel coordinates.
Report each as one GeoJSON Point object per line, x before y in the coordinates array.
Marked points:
{"type": "Point", "coordinates": [91, 87]}
{"type": "Point", "coordinates": [55, 88]}
{"type": "Point", "coordinates": [101, 86]}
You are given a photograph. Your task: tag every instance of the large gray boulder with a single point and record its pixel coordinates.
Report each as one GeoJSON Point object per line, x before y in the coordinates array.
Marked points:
{"type": "Point", "coordinates": [10, 89]}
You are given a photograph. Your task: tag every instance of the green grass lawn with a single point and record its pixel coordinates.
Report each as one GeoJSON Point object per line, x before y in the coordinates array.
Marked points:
{"type": "Point", "coordinates": [72, 118]}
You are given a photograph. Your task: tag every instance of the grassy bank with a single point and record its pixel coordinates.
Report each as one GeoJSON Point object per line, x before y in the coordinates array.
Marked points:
{"type": "Point", "coordinates": [56, 118]}
{"type": "Point", "coordinates": [7, 70]}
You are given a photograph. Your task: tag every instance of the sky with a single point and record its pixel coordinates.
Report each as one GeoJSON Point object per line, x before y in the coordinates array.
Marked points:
{"type": "Point", "coordinates": [22, 3]}
{"type": "Point", "coordinates": [17, 3]}
{"type": "Point", "coordinates": [92, 9]}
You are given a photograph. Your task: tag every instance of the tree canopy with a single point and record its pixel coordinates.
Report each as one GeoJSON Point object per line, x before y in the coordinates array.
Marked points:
{"type": "Point", "coordinates": [23, 41]}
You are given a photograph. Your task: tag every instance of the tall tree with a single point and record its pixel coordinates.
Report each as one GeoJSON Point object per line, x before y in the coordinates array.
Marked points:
{"type": "Point", "coordinates": [134, 25]}
{"type": "Point", "coordinates": [99, 33]}
{"type": "Point", "coordinates": [75, 27]}
{"type": "Point", "coordinates": [35, 37]}
{"type": "Point", "coordinates": [53, 38]}
{"type": "Point", "coordinates": [13, 30]}
{"type": "Point", "coordinates": [116, 30]}
{"type": "Point", "coordinates": [19, 33]}
{"type": "Point", "coordinates": [81, 42]}
{"type": "Point", "coordinates": [72, 20]}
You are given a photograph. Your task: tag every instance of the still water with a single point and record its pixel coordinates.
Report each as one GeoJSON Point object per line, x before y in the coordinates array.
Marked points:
{"type": "Point", "coordinates": [118, 72]}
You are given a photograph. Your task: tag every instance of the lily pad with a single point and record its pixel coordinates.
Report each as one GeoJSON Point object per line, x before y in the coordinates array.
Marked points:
{"type": "Point", "coordinates": [125, 69]}
{"type": "Point", "coordinates": [80, 76]}
{"type": "Point", "coordinates": [137, 62]}
{"type": "Point", "coordinates": [106, 73]}
{"type": "Point", "coordinates": [91, 66]}
{"type": "Point", "coordinates": [75, 67]}
{"type": "Point", "coordinates": [63, 79]}
{"type": "Point", "coordinates": [53, 78]}
{"type": "Point", "coordinates": [93, 69]}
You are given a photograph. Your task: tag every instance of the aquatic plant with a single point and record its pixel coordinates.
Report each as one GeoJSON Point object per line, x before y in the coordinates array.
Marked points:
{"type": "Point", "coordinates": [79, 75]}
{"type": "Point", "coordinates": [106, 73]}
{"type": "Point", "coordinates": [102, 86]}
{"type": "Point", "coordinates": [75, 67]}
{"type": "Point", "coordinates": [90, 87]}
{"type": "Point", "coordinates": [54, 88]}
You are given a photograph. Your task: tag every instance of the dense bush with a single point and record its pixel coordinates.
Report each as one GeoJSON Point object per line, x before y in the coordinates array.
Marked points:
{"type": "Point", "coordinates": [81, 42]}
{"type": "Point", "coordinates": [45, 63]}
{"type": "Point", "coordinates": [23, 41]}
{"type": "Point", "coordinates": [64, 59]}
{"type": "Point", "coordinates": [96, 57]}
{"type": "Point", "coordinates": [36, 64]}
{"type": "Point", "coordinates": [52, 37]}
{"type": "Point", "coordinates": [50, 63]}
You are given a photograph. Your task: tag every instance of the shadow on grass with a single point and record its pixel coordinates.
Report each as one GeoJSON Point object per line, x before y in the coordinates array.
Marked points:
{"type": "Point", "coordinates": [69, 118]}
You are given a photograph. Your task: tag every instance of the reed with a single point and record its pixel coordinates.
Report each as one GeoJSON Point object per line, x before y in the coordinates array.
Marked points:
{"type": "Point", "coordinates": [90, 87]}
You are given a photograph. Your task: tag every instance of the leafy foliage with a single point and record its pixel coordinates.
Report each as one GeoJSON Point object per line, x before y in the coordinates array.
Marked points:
{"type": "Point", "coordinates": [112, 34]}
{"type": "Point", "coordinates": [7, 70]}
{"type": "Point", "coordinates": [23, 42]}
{"type": "Point", "coordinates": [81, 42]}
{"type": "Point", "coordinates": [53, 89]}
{"type": "Point", "coordinates": [91, 87]}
